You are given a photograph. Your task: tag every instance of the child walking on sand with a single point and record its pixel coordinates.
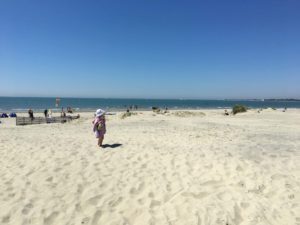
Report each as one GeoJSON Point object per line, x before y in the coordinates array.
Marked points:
{"type": "Point", "coordinates": [99, 127]}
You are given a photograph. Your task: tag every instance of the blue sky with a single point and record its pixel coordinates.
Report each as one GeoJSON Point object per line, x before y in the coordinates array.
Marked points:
{"type": "Point", "coordinates": [150, 49]}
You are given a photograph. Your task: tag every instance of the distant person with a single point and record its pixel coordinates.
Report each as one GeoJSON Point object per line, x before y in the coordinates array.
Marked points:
{"type": "Point", "coordinates": [46, 113]}
{"type": "Point", "coordinates": [226, 112]}
{"type": "Point", "coordinates": [49, 113]}
{"type": "Point", "coordinates": [69, 110]}
{"type": "Point", "coordinates": [30, 113]}
{"type": "Point", "coordinates": [99, 126]}
{"type": "Point", "coordinates": [63, 114]}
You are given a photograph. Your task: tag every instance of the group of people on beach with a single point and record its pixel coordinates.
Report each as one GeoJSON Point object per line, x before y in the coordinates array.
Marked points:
{"type": "Point", "coordinates": [48, 112]}
{"type": "Point", "coordinates": [131, 107]}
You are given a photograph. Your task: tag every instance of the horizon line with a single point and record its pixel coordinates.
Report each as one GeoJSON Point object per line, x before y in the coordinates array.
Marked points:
{"type": "Point", "coordinates": [135, 98]}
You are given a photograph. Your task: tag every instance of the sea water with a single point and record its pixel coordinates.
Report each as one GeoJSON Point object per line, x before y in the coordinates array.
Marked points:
{"type": "Point", "coordinates": [21, 104]}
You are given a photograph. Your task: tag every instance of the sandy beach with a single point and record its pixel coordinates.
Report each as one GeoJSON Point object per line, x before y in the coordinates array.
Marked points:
{"type": "Point", "coordinates": [200, 168]}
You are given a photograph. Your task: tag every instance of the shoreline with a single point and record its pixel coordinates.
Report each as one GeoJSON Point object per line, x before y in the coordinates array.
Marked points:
{"type": "Point", "coordinates": [81, 105]}
{"type": "Point", "coordinates": [55, 110]}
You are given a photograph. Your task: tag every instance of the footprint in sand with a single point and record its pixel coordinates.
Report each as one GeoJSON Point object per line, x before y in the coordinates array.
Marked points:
{"type": "Point", "coordinates": [136, 191]}
{"type": "Point", "coordinates": [85, 220]}
{"type": "Point", "coordinates": [49, 179]}
{"type": "Point", "coordinates": [94, 200]}
{"type": "Point", "coordinates": [51, 218]}
{"type": "Point", "coordinates": [79, 188]}
{"type": "Point", "coordinates": [116, 202]}
{"type": "Point", "coordinates": [57, 169]}
{"type": "Point", "coordinates": [238, 219]}
{"type": "Point", "coordinates": [154, 203]}
{"type": "Point", "coordinates": [6, 219]}
{"type": "Point", "coordinates": [151, 195]}
{"type": "Point", "coordinates": [78, 207]}
{"type": "Point", "coordinates": [67, 163]}
{"type": "Point", "coordinates": [143, 166]}
{"type": "Point", "coordinates": [96, 217]}
{"type": "Point", "coordinates": [245, 205]}
{"type": "Point", "coordinates": [194, 195]}
{"type": "Point", "coordinates": [168, 187]}
{"type": "Point", "coordinates": [211, 182]}
{"type": "Point", "coordinates": [11, 195]}
{"type": "Point", "coordinates": [27, 208]}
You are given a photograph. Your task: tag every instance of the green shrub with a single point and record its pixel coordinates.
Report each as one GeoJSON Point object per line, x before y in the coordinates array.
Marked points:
{"type": "Point", "coordinates": [238, 109]}
{"type": "Point", "coordinates": [127, 114]}
{"type": "Point", "coordinates": [188, 114]}
{"type": "Point", "coordinates": [156, 110]}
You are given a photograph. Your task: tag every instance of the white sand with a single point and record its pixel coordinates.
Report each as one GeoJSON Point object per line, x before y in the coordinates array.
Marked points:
{"type": "Point", "coordinates": [169, 170]}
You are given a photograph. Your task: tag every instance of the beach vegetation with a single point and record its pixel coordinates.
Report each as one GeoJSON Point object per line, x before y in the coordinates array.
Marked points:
{"type": "Point", "coordinates": [127, 114]}
{"type": "Point", "coordinates": [238, 109]}
{"type": "Point", "coordinates": [188, 114]}
{"type": "Point", "coordinates": [156, 109]}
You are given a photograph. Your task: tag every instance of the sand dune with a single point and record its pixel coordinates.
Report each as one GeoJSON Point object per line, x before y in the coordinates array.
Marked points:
{"type": "Point", "coordinates": [156, 169]}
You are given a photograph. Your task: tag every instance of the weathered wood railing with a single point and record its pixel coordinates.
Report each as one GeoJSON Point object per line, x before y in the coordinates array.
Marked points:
{"type": "Point", "coordinates": [20, 121]}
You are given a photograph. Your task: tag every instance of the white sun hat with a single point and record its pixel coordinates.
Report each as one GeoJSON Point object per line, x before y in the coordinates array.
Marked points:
{"type": "Point", "coordinates": [100, 112]}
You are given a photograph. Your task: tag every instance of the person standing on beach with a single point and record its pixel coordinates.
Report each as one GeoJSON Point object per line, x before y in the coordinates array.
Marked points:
{"type": "Point", "coordinates": [30, 112]}
{"type": "Point", "coordinates": [46, 113]}
{"type": "Point", "coordinates": [62, 114]}
{"type": "Point", "coordinates": [99, 127]}
{"type": "Point", "coordinates": [49, 113]}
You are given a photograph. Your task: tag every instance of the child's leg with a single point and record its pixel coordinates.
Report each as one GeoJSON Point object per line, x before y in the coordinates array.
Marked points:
{"type": "Point", "coordinates": [100, 140]}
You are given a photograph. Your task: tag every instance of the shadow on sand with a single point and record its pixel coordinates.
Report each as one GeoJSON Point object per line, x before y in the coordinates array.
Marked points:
{"type": "Point", "coordinates": [111, 146]}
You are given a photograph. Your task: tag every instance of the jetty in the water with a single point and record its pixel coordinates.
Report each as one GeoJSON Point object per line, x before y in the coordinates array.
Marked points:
{"type": "Point", "coordinates": [20, 121]}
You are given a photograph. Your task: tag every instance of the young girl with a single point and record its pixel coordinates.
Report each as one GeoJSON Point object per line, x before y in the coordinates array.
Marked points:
{"type": "Point", "coordinates": [99, 126]}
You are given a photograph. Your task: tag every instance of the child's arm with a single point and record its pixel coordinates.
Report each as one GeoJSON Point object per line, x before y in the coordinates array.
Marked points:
{"type": "Point", "coordinates": [95, 125]}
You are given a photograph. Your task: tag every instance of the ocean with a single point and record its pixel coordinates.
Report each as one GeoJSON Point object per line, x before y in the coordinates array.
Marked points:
{"type": "Point", "coordinates": [22, 104]}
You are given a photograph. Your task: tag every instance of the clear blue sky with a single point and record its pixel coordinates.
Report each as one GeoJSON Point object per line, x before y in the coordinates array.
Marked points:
{"type": "Point", "coordinates": [150, 49]}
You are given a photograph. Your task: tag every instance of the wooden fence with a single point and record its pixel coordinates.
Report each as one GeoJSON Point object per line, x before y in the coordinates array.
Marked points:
{"type": "Point", "coordinates": [20, 121]}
